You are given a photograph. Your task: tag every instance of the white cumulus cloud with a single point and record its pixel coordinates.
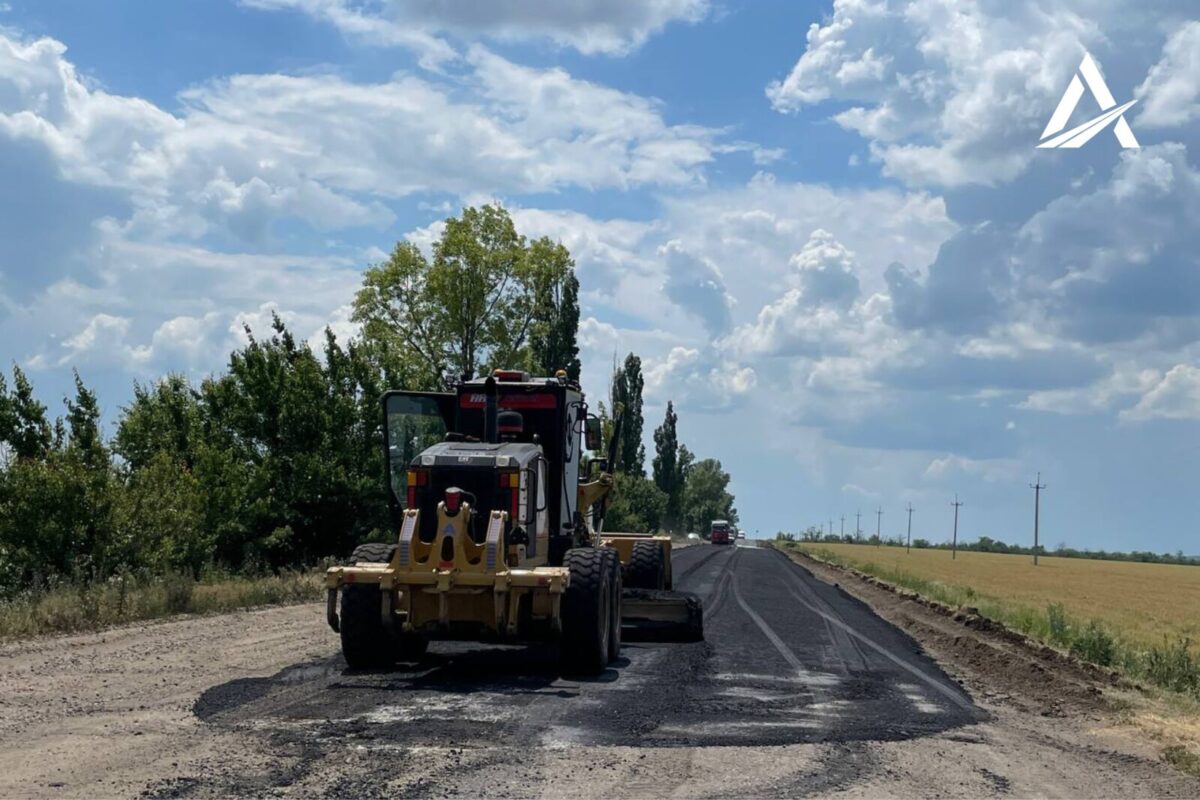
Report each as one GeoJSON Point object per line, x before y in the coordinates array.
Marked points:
{"type": "Point", "coordinates": [588, 26]}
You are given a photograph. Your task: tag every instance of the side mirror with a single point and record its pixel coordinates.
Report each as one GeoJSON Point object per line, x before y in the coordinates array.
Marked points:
{"type": "Point", "coordinates": [593, 436]}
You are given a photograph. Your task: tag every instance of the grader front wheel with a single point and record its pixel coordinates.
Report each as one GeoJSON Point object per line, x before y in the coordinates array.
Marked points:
{"type": "Point", "coordinates": [365, 642]}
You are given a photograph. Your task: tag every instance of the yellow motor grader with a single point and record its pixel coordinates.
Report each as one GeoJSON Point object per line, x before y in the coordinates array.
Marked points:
{"type": "Point", "coordinates": [500, 534]}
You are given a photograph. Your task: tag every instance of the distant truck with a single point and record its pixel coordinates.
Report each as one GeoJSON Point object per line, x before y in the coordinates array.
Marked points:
{"type": "Point", "coordinates": [722, 532]}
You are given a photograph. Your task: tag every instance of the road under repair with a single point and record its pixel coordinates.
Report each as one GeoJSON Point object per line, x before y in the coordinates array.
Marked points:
{"type": "Point", "coordinates": [798, 689]}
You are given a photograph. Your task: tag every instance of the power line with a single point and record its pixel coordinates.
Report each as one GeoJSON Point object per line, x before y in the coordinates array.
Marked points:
{"type": "Point", "coordinates": [954, 545]}
{"type": "Point", "coordinates": [1037, 487]}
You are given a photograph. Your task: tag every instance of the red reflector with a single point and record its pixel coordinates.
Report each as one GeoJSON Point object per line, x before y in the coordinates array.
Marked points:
{"type": "Point", "coordinates": [445, 565]}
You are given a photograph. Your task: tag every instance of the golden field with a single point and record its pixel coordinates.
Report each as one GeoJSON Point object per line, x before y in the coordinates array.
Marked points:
{"type": "Point", "coordinates": [1143, 602]}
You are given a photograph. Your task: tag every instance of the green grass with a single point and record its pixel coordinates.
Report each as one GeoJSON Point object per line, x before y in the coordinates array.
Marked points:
{"type": "Point", "coordinates": [1183, 759]}
{"type": "Point", "coordinates": [1172, 665]}
{"type": "Point", "coordinates": [93, 606]}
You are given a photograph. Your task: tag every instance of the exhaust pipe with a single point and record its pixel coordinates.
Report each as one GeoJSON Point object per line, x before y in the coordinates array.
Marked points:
{"type": "Point", "coordinates": [491, 432]}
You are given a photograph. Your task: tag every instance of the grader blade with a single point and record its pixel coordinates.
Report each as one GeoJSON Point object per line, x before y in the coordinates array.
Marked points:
{"type": "Point", "coordinates": [658, 615]}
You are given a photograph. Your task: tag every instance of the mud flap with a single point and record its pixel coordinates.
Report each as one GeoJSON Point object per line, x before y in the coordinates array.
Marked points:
{"type": "Point", "coordinates": [655, 615]}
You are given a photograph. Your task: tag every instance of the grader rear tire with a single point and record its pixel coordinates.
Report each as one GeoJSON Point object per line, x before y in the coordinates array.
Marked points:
{"type": "Point", "coordinates": [587, 611]}
{"type": "Point", "coordinates": [647, 567]}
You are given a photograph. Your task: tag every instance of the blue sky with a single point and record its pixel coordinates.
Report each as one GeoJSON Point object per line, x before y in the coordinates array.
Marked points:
{"type": "Point", "coordinates": [824, 226]}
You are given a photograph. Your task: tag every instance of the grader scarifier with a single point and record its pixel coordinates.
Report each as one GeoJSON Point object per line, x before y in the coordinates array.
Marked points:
{"type": "Point", "coordinates": [500, 534]}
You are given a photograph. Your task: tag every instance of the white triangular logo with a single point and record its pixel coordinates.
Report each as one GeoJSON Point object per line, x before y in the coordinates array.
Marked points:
{"type": "Point", "coordinates": [1082, 134]}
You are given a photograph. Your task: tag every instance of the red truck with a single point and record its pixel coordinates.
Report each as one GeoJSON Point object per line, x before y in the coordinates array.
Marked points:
{"type": "Point", "coordinates": [721, 532]}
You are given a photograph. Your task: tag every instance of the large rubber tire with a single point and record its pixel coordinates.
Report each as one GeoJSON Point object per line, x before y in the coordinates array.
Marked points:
{"type": "Point", "coordinates": [647, 567]}
{"type": "Point", "coordinates": [614, 589]}
{"type": "Point", "coordinates": [410, 647]}
{"type": "Point", "coordinates": [365, 643]}
{"type": "Point", "coordinates": [586, 611]}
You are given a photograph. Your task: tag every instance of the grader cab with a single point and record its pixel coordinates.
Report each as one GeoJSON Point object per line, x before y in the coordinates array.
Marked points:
{"type": "Point", "coordinates": [499, 534]}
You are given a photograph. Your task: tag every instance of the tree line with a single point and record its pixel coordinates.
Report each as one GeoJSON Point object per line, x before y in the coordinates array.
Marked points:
{"type": "Point", "coordinates": [277, 461]}
{"type": "Point", "coordinates": [681, 494]}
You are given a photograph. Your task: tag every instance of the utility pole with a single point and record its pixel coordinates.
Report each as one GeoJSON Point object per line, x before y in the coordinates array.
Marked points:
{"type": "Point", "coordinates": [908, 546]}
{"type": "Point", "coordinates": [858, 525]}
{"type": "Point", "coordinates": [831, 527]}
{"type": "Point", "coordinates": [1037, 487]}
{"type": "Point", "coordinates": [954, 545]}
{"type": "Point", "coordinates": [842, 530]}
{"type": "Point", "coordinates": [878, 522]}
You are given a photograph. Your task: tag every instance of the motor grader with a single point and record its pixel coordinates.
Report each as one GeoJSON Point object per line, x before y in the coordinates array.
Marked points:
{"type": "Point", "coordinates": [499, 534]}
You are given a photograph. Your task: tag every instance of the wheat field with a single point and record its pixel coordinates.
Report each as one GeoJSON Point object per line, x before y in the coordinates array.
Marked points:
{"type": "Point", "coordinates": [1142, 602]}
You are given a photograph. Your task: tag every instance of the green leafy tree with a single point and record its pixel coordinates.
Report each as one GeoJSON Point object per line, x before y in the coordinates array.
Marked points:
{"type": "Point", "coordinates": [638, 505]}
{"type": "Point", "coordinates": [706, 495]}
{"type": "Point", "coordinates": [31, 434]}
{"type": "Point", "coordinates": [618, 396]}
{"type": "Point", "coordinates": [56, 498]}
{"type": "Point", "coordinates": [270, 412]}
{"type": "Point", "coordinates": [164, 418]}
{"type": "Point", "coordinates": [83, 421]}
{"type": "Point", "coordinates": [473, 306]}
{"type": "Point", "coordinates": [8, 421]}
{"type": "Point", "coordinates": [160, 518]}
{"type": "Point", "coordinates": [41, 506]}
{"type": "Point", "coordinates": [555, 327]}
{"type": "Point", "coordinates": [86, 460]}
{"type": "Point", "coordinates": [666, 465]}
{"type": "Point", "coordinates": [629, 385]}
{"type": "Point", "coordinates": [683, 466]}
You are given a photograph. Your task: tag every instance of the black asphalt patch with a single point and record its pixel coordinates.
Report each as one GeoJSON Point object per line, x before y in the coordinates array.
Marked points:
{"type": "Point", "coordinates": [787, 659]}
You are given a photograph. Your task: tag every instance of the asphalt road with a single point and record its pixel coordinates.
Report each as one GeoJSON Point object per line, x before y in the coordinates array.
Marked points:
{"type": "Point", "coordinates": [798, 690]}
{"type": "Point", "coordinates": [787, 659]}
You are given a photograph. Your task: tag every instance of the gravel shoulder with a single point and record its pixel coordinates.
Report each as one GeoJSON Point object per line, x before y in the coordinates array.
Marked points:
{"type": "Point", "coordinates": [259, 703]}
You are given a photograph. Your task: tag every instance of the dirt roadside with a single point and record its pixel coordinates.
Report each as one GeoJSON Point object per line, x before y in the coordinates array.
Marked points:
{"type": "Point", "coordinates": [107, 713]}
{"type": "Point", "coordinates": [1002, 665]}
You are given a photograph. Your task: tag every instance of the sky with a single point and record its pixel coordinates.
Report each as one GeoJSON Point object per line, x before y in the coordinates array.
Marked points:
{"type": "Point", "coordinates": [825, 227]}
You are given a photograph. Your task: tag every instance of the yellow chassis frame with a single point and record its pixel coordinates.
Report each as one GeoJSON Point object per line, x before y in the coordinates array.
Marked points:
{"type": "Point", "coordinates": [422, 592]}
